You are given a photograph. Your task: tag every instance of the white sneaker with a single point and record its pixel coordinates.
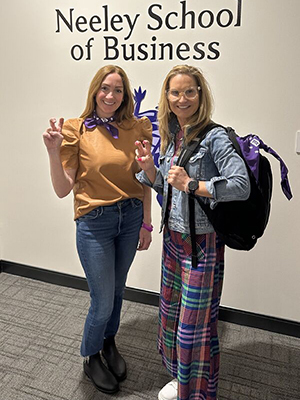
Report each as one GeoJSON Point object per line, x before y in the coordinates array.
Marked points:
{"type": "Point", "coordinates": [169, 392]}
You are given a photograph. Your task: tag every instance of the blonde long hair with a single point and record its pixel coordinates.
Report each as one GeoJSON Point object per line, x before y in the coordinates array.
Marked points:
{"type": "Point", "coordinates": [125, 111]}
{"type": "Point", "coordinates": [199, 120]}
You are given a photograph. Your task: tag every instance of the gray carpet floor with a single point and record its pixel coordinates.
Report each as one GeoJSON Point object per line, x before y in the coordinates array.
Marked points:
{"type": "Point", "coordinates": [40, 334]}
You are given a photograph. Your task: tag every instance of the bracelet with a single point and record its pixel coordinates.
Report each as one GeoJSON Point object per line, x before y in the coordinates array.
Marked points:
{"type": "Point", "coordinates": [148, 228]}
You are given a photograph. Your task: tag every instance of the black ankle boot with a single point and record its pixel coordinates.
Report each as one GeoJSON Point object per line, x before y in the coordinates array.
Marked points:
{"type": "Point", "coordinates": [101, 377]}
{"type": "Point", "coordinates": [116, 363]}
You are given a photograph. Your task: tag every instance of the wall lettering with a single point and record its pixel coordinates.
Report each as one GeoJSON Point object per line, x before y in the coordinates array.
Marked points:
{"type": "Point", "coordinates": [115, 32]}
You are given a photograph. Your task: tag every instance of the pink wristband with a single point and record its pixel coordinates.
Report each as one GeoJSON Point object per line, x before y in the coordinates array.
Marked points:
{"type": "Point", "coordinates": [148, 228]}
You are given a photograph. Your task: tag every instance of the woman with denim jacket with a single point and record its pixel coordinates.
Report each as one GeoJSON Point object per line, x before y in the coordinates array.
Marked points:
{"type": "Point", "coordinates": [190, 297]}
{"type": "Point", "coordinates": [95, 156]}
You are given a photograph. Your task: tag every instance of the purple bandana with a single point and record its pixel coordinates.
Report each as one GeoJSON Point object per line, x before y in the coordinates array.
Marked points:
{"type": "Point", "coordinates": [93, 121]}
{"type": "Point", "coordinates": [250, 146]}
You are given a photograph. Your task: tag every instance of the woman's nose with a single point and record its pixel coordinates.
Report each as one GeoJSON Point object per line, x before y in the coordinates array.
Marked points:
{"type": "Point", "coordinates": [182, 98]}
{"type": "Point", "coordinates": [110, 94]}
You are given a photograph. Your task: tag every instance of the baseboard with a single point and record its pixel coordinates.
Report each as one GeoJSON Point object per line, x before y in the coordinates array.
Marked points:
{"type": "Point", "coordinates": [245, 318]}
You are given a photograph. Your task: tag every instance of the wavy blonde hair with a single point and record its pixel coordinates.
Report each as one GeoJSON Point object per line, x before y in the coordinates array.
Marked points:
{"type": "Point", "coordinates": [199, 120]}
{"type": "Point", "coordinates": [125, 111]}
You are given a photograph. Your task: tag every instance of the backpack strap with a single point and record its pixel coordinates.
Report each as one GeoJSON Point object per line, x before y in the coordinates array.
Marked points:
{"type": "Point", "coordinates": [183, 158]}
{"type": "Point", "coordinates": [190, 149]}
{"type": "Point", "coordinates": [193, 230]}
{"type": "Point", "coordinates": [187, 152]}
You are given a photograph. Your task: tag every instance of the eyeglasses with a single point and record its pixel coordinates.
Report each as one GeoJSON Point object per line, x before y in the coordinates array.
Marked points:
{"type": "Point", "coordinates": [190, 93]}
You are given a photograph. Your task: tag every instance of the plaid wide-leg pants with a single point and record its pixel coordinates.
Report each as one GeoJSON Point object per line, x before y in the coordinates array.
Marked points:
{"type": "Point", "coordinates": [188, 315]}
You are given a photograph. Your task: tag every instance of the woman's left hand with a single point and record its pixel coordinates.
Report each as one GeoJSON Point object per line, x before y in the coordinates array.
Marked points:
{"type": "Point", "coordinates": [178, 178]}
{"type": "Point", "coordinates": [144, 240]}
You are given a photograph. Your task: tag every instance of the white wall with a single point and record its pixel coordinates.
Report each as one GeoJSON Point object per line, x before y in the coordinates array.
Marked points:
{"type": "Point", "coordinates": [256, 87]}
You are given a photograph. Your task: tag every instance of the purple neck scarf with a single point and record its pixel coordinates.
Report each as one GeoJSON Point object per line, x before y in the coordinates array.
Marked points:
{"type": "Point", "coordinates": [93, 121]}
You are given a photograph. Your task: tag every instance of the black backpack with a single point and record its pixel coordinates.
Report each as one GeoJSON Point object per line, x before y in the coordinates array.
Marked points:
{"type": "Point", "coordinates": [238, 223]}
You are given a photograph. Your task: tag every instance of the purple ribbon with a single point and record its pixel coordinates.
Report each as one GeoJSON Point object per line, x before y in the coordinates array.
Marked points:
{"type": "Point", "coordinates": [250, 146]}
{"type": "Point", "coordinates": [93, 121]}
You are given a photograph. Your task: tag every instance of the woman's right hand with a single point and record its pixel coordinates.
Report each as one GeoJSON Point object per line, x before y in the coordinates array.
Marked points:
{"type": "Point", "coordinates": [143, 155]}
{"type": "Point", "coordinates": [53, 136]}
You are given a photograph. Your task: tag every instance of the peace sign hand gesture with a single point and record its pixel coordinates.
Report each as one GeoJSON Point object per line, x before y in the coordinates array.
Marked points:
{"type": "Point", "coordinates": [52, 136]}
{"type": "Point", "coordinates": [143, 155]}
{"type": "Point", "coordinates": [144, 159]}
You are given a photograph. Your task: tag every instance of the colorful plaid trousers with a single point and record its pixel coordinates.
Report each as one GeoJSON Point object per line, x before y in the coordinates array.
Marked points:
{"type": "Point", "coordinates": [188, 313]}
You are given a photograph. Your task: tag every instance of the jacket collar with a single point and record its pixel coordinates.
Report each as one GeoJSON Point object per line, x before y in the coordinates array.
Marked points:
{"type": "Point", "coordinates": [174, 126]}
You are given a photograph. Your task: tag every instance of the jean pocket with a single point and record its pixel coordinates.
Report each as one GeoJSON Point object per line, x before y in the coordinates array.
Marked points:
{"type": "Point", "coordinates": [95, 213]}
{"type": "Point", "coordinates": [136, 203]}
{"type": "Point", "coordinates": [195, 165]}
{"type": "Point", "coordinates": [197, 157]}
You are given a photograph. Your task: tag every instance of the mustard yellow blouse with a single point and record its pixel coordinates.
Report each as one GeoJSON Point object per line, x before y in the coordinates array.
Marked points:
{"type": "Point", "coordinates": [106, 167]}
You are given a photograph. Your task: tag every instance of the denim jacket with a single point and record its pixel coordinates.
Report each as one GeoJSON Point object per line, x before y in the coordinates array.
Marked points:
{"type": "Point", "coordinates": [217, 163]}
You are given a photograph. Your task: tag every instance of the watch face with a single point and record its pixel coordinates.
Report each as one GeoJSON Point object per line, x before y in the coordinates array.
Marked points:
{"type": "Point", "coordinates": [193, 185]}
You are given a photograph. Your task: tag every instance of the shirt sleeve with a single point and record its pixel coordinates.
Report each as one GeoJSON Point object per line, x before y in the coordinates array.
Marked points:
{"type": "Point", "coordinates": [146, 129]}
{"type": "Point", "coordinates": [233, 182]}
{"type": "Point", "coordinates": [70, 145]}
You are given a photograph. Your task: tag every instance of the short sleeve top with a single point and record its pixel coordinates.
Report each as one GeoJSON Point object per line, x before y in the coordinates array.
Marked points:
{"type": "Point", "coordinates": [105, 167]}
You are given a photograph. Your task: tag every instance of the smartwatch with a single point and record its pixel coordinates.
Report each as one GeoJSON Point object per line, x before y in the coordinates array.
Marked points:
{"type": "Point", "coordinates": [192, 186]}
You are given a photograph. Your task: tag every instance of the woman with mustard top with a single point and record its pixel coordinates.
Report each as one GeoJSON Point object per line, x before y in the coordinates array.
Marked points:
{"type": "Point", "coordinates": [94, 156]}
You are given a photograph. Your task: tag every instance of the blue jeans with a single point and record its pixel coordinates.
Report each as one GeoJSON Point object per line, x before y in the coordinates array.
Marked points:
{"type": "Point", "coordinates": [107, 239]}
